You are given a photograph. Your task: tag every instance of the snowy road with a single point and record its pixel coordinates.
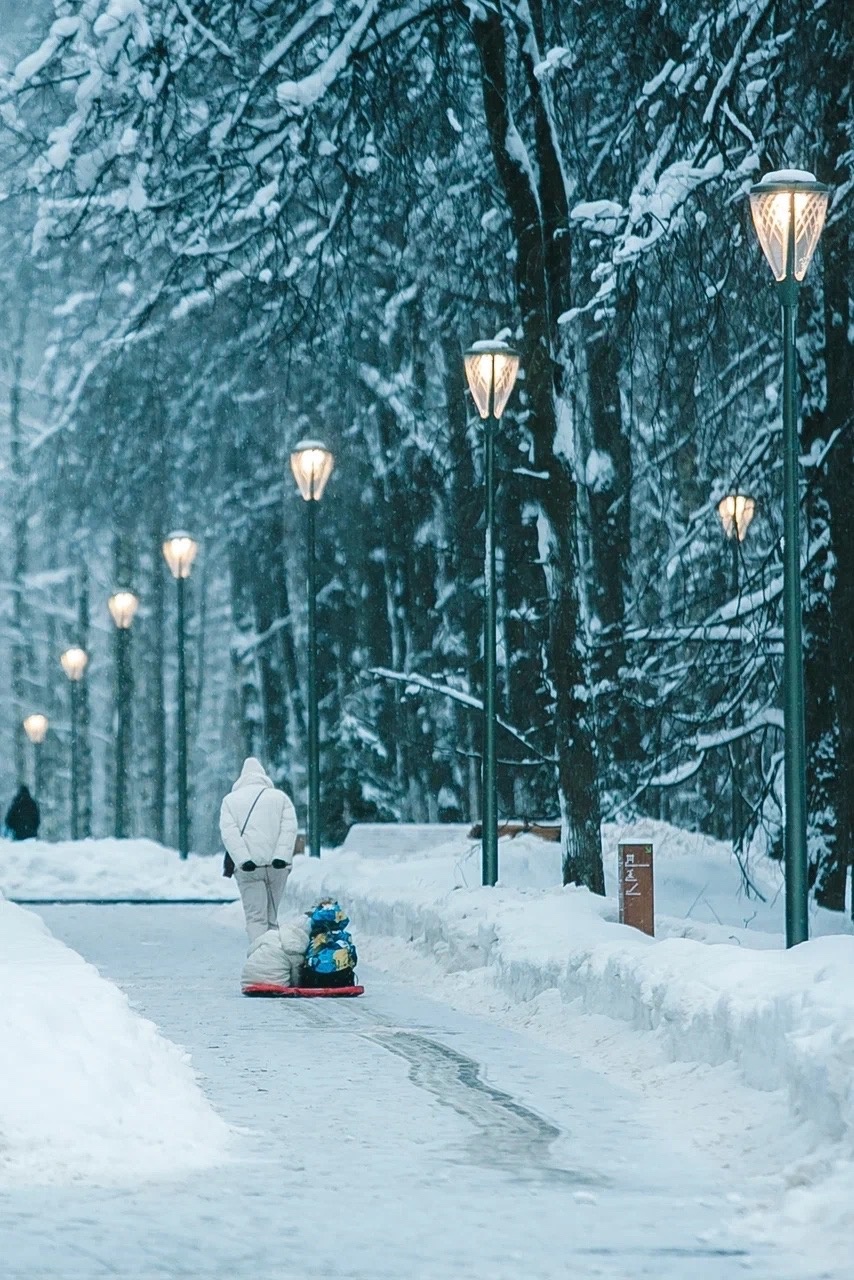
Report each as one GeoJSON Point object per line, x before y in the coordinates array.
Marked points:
{"type": "Point", "coordinates": [384, 1138]}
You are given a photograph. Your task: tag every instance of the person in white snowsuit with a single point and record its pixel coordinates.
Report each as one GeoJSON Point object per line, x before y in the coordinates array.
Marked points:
{"type": "Point", "coordinates": [258, 825]}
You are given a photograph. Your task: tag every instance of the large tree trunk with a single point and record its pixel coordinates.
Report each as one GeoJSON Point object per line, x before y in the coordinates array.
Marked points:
{"type": "Point", "coordinates": [540, 226]}
{"type": "Point", "coordinates": [830, 621]}
{"type": "Point", "coordinates": [839, 365]}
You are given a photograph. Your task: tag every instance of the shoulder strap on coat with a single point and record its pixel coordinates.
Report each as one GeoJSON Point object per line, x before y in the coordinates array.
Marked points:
{"type": "Point", "coordinates": [249, 814]}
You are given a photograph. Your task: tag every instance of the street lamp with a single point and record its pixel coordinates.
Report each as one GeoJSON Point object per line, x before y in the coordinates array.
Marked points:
{"type": "Point", "coordinates": [788, 209]}
{"type": "Point", "coordinates": [179, 551]}
{"type": "Point", "coordinates": [74, 662]}
{"type": "Point", "coordinates": [491, 369]}
{"type": "Point", "coordinates": [36, 727]}
{"type": "Point", "coordinates": [736, 511]}
{"type": "Point", "coordinates": [123, 606]}
{"type": "Point", "coordinates": [312, 463]}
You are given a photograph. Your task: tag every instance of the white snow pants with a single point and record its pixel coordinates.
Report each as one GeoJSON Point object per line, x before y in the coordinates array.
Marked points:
{"type": "Point", "coordinates": [261, 891]}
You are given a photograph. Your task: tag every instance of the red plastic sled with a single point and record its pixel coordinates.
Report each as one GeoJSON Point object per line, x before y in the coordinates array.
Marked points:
{"type": "Point", "coordinates": [274, 989]}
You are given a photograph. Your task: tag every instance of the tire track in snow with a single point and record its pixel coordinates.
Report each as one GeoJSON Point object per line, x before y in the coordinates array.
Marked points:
{"type": "Point", "coordinates": [508, 1135]}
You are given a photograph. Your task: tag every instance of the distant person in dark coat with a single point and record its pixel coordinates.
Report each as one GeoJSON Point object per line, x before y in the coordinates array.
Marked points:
{"type": "Point", "coordinates": [22, 820]}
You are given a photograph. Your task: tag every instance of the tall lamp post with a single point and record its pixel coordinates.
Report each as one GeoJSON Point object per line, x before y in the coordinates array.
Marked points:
{"type": "Point", "coordinates": [312, 463]}
{"type": "Point", "coordinates": [788, 209]}
{"type": "Point", "coordinates": [36, 727]}
{"type": "Point", "coordinates": [179, 551]}
{"type": "Point", "coordinates": [123, 606]}
{"type": "Point", "coordinates": [491, 369]}
{"type": "Point", "coordinates": [736, 511]}
{"type": "Point", "coordinates": [74, 662]}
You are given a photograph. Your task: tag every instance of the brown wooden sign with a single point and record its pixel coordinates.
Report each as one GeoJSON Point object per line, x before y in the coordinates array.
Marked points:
{"type": "Point", "coordinates": [637, 895]}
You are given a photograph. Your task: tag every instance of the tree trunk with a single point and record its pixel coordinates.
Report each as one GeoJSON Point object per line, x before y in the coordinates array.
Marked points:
{"type": "Point", "coordinates": [22, 653]}
{"type": "Point", "coordinates": [540, 225]}
{"type": "Point", "coordinates": [84, 737]}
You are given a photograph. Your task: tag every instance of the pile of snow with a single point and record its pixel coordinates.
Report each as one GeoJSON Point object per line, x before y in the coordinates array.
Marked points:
{"type": "Point", "coordinates": [90, 1089]}
{"type": "Point", "coordinates": [40, 870]}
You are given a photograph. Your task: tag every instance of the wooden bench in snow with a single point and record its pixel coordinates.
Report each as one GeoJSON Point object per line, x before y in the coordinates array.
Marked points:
{"type": "Point", "coordinates": [545, 831]}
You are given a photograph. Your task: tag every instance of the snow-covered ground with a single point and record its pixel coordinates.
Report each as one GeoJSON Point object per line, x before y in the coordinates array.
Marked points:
{"type": "Point", "coordinates": [714, 989]}
{"type": "Point", "coordinates": [383, 1137]}
{"type": "Point", "coordinates": [90, 1090]}
{"type": "Point", "coordinates": [717, 1030]}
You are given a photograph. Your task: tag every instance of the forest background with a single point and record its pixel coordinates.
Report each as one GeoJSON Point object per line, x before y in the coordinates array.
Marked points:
{"type": "Point", "coordinates": [232, 225]}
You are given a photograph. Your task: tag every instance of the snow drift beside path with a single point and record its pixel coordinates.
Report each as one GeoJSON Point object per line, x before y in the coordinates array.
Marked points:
{"type": "Point", "coordinates": [713, 993]}
{"type": "Point", "coordinates": [107, 869]}
{"type": "Point", "coordinates": [785, 1019]}
{"type": "Point", "coordinates": [90, 1090]}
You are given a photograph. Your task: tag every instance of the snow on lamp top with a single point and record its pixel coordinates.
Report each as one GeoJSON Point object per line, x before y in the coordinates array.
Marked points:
{"type": "Point", "coordinates": [123, 606]}
{"type": "Point", "coordinates": [74, 662]}
{"type": "Point", "coordinates": [786, 199]}
{"type": "Point", "coordinates": [736, 512]}
{"type": "Point", "coordinates": [491, 369]}
{"type": "Point", "coordinates": [311, 463]}
{"type": "Point", "coordinates": [36, 727]}
{"type": "Point", "coordinates": [180, 551]}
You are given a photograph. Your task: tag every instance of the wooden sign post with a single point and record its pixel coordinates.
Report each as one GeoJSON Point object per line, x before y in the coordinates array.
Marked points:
{"type": "Point", "coordinates": [637, 895]}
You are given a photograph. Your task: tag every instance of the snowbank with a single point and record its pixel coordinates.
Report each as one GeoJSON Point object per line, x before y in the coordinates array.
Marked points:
{"type": "Point", "coordinates": [37, 869]}
{"type": "Point", "coordinates": [785, 1019]}
{"type": "Point", "coordinates": [91, 1091]}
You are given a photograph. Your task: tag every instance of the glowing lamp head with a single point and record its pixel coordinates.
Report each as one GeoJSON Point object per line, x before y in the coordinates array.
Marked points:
{"type": "Point", "coordinates": [74, 662]}
{"type": "Point", "coordinates": [311, 463]}
{"type": "Point", "coordinates": [736, 512]}
{"type": "Point", "coordinates": [180, 551]}
{"type": "Point", "coordinates": [123, 606]}
{"type": "Point", "coordinates": [491, 369]}
{"type": "Point", "coordinates": [36, 727]}
{"type": "Point", "coordinates": [788, 209]}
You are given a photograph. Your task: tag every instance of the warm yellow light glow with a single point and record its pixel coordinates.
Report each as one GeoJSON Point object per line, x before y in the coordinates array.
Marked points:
{"type": "Point", "coordinates": [311, 463]}
{"type": "Point", "coordinates": [36, 727]}
{"type": "Point", "coordinates": [779, 197]}
{"type": "Point", "coordinates": [74, 662]}
{"type": "Point", "coordinates": [491, 369]}
{"type": "Point", "coordinates": [180, 551]}
{"type": "Point", "coordinates": [736, 512]}
{"type": "Point", "coordinates": [123, 606]}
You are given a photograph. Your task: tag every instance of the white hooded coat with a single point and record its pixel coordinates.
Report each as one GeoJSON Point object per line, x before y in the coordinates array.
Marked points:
{"type": "Point", "coordinates": [257, 822]}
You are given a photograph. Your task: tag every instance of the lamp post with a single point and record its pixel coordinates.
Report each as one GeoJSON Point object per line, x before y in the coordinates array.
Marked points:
{"type": "Point", "coordinates": [123, 606]}
{"type": "Point", "coordinates": [179, 551]}
{"type": "Point", "coordinates": [736, 511]}
{"type": "Point", "coordinates": [788, 209]}
{"type": "Point", "coordinates": [74, 662]}
{"type": "Point", "coordinates": [36, 727]}
{"type": "Point", "coordinates": [491, 369]}
{"type": "Point", "coordinates": [312, 463]}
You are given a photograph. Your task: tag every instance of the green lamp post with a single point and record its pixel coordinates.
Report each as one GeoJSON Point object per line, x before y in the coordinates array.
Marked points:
{"type": "Point", "coordinates": [491, 369]}
{"type": "Point", "coordinates": [312, 463]}
{"type": "Point", "coordinates": [123, 606]}
{"type": "Point", "coordinates": [788, 209]}
{"type": "Point", "coordinates": [736, 511]}
{"type": "Point", "coordinates": [74, 662]}
{"type": "Point", "coordinates": [36, 727]}
{"type": "Point", "coordinates": [179, 552]}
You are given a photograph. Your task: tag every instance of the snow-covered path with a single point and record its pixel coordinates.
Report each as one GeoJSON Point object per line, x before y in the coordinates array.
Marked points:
{"type": "Point", "coordinates": [385, 1137]}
